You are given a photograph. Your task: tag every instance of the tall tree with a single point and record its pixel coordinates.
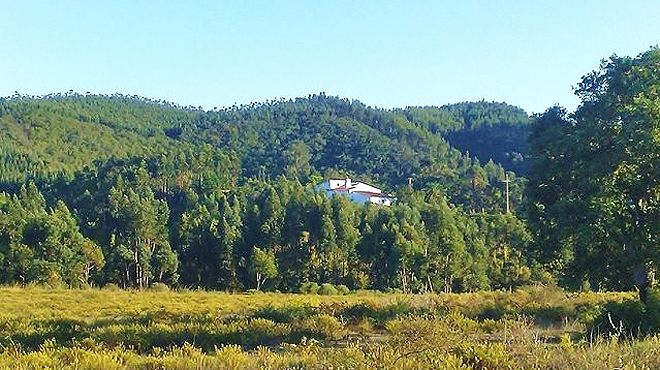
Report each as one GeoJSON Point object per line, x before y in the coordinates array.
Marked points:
{"type": "Point", "coordinates": [595, 192]}
{"type": "Point", "coordinates": [262, 265]}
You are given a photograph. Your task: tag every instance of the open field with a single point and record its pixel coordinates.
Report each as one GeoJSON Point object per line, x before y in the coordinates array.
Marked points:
{"type": "Point", "coordinates": [533, 328]}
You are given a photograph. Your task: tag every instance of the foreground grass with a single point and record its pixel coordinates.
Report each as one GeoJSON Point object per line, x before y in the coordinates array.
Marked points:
{"type": "Point", "coordinates": [534, 328]}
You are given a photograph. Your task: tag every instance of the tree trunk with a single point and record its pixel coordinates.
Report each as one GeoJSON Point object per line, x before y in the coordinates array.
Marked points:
{"type": "Point", "coordinates": [644, 279]}
{"type": "Point", "coordinates": [258, 281]}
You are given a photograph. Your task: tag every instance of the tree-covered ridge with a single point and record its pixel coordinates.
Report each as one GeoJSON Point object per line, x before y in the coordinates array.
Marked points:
{"type": "Point", "coordinates": [485, 130]}
{"type": "Point", "coordinates": [224, 198]}
{"type": "Point", "coordinates": [302, 138]}
{"type": "Point", "coordinates": [41, 138]}
{"type": "Point", "coordinates": [474, 115]}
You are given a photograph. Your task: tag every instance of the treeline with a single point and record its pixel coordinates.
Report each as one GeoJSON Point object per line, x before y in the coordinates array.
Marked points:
{"type": "Point", "coordinates": [182, 220]}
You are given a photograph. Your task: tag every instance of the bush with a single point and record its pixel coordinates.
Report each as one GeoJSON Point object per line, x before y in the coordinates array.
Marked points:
{"type": "Point", "coordinates": [309, 287]}
{"type": "Point", "coordinates": [630, 318]}
{"type": "Point", "coordinates": [111, 287]}
{"type": "Point", "coordinates": [284, 314]}
{"type": "Point", "coordinates": [377, 314]}
{"type": "Point", "coordinates": [159, 287]}
{"type": "Point", "coordinates": [343, 289]}
{"type": "Point", "coordinates": [321, 326]}
{"type": "Point", "coordinates": [479, 356]}
{"type": "Point", "coordinates": [328, 289]}
{"type": "Point", "coordinates": [653, 309]}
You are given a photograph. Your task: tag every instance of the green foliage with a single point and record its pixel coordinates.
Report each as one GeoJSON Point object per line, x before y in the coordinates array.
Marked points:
{"type": "Point", "coordinates": [327, 289]}
{"type": "Point", "coordinates": [262, 265]}
{"type": "Point", "coordinates": [309, 287]}
{"type": "Point", "coordinates": [159, 287]}
{"type": "Point", "coordinates": [42, 245]}
{"type": "Point", "coordinates": [490, 131]}
{"type": "Point", "coordinates": [630, 318]}
{"type": "Point", "coordinates": [593, 190]}
{"type": "Point", "coordinates": [342, 289]}
{"type": "Point", "coordinates": [299, 138]}
{"type": "Point", "coordinates": [143, 227]}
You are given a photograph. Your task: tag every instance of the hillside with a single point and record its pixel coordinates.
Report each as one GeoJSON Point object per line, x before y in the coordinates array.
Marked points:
{"type": "Point", "coordinates": [485, 130]}
{"type": "Point", "coordinates": [125, 190]}
{"type": "Point", "coordinates": [57, 135]}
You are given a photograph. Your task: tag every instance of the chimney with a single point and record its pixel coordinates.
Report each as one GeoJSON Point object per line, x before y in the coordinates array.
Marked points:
{"type": "Point", "coordinates": [348, 182]}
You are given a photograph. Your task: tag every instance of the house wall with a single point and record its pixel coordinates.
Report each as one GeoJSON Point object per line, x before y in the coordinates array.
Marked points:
{"type": "Point", "coordinates": [381, 200]}
{"type": "Point", "coordinates": [336, 183]}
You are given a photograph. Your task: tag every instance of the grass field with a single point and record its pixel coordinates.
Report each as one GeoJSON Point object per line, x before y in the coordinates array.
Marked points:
{"type": "Point", "coordinates": [531, 328]}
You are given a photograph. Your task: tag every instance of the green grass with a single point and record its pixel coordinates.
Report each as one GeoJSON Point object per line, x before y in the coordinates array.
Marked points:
{"type": "Point", "coordinates": [535, 328]}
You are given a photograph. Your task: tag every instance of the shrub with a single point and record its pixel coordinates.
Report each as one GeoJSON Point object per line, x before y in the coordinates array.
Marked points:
{"type": "Point", "coordinates": [653, 309]}
{"type": "Point", "coordinates": [479, 356]}
{"type": "Point", "coordinates": [309, 287]}
{"type": "Point", "coordinates": [284, 314]}
{"type": "Point", "coordinates": [327, 289]}
{"type": "Point", "coordinates": [111, 287]}
{"type": "Point", "coordinates": [343, 289]}
{"type": "Point", "coordinates": [630, 318]}
{"type": "Point", "coordinates": [322, 326]}
{"type": "Point", "coordinates": [159, 287]}
{"type": "Point", "coordinates": [378, 315]}
{"type": "Point", "coordinates": [260, 331]}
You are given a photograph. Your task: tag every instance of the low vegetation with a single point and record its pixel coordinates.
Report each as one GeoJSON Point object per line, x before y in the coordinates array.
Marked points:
{"type": "Point", "coordinates": [532, 327]}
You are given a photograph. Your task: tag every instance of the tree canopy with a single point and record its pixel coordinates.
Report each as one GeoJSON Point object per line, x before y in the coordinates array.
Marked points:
{"type": "Point", "coordinates": [594, 189]}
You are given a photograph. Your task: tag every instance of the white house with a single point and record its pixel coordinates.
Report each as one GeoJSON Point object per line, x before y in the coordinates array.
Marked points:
{"type": "Point", "coordinates": [358, 192]}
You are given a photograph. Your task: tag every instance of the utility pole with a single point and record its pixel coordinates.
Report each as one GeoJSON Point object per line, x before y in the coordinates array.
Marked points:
{"type": "Point", "coordinates": [506, 182]}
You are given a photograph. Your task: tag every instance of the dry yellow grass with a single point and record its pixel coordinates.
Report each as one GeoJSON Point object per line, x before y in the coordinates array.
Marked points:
{"type": "Point", "coordinates": [531, 328]}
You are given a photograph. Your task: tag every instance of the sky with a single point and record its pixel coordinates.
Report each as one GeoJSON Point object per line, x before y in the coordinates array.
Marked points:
{"type": "Point", "coordinates": [383, 53]}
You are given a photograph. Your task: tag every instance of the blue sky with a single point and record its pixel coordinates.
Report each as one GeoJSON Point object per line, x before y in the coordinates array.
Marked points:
{"type": "Point", "coordinates": [384, 53]}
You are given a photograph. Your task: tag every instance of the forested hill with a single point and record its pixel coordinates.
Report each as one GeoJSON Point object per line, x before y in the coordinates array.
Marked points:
{"type": "Point", "coordinates": [41, 138]}
{"type": "Point", "coordinates": [55, 136]}
{"type": "Point", "coordinates": [126, 190]}
{"type": "Point", "coordinates": [485, 130]}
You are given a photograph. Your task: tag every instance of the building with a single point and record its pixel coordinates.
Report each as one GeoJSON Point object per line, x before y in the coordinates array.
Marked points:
{"type": "Point", "coordinates": [358, 192]}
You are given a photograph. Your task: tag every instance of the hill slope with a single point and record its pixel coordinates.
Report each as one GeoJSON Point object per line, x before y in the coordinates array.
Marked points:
{"type": "Point", "coordinates": [57, 135]}
{"type": "Point", "coordinates": [130, 191]}
{"type": "Point", "coordinates": [486, 130]}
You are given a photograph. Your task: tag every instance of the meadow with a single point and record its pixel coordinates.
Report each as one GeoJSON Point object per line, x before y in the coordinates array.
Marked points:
{"type": "Point", "coordinates": [529, 328]}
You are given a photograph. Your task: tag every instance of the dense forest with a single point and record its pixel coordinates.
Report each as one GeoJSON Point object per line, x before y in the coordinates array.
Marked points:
{"type": "Point", "coordinates": [130, 191]}
{"type": "Point", "coordinates": [485, 130]}
{"type": "Point", "coordinates": [153, 192]}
